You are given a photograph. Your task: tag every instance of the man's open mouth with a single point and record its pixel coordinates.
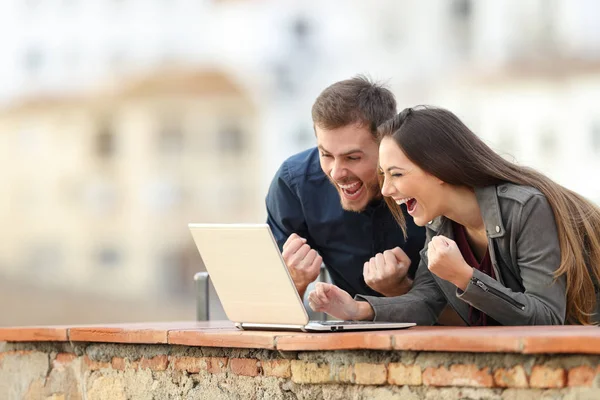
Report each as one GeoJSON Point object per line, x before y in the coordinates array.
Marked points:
{"type": "Point", "coordinates": [353, 190]}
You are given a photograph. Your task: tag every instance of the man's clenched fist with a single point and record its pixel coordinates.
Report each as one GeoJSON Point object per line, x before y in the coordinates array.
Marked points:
{"type": "Point", "coordinates": [303, 262]}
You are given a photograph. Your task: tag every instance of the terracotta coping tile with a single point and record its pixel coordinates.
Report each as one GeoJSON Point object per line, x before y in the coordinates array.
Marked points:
{"type": "Point", "coordinates": [118, 335]}
{"type": "Point", "coordinates": [458, 339]}
{"type": "Point", "coordinates": [582, 340]}
{"type": "Point", "coordinates": [521, 339]}
{"type": "Point", "coordinates": [140, 332]}
{"type": "Point", "coordinates": [514, 339]}
{"type": "Point", "coordinates": [34, 334]}
{"type": "Point", "coordinates": [380, 340]}
{"type": "Point", "coordinates": [227, 337]}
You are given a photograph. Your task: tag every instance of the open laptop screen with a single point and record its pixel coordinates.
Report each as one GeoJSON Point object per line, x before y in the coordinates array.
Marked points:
{"type": "Point", "coordinates": [249, 274]}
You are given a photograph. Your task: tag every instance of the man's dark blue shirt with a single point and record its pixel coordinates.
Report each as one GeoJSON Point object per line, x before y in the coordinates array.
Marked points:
{"type": "Point", "coordinates": [302, 200]}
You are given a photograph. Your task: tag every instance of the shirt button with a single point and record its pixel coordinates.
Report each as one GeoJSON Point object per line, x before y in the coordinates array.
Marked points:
{"type": "Point", "coordinates": [497, 229]}
{"type": "Point", "coordinates": [503, 189]}
{"type": "Point", "coordinates": [430, 222]}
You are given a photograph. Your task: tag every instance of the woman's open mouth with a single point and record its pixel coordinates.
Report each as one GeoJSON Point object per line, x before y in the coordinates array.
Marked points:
{"type": "Point", "coordinates": [352, 191]}
{"type": "Point", "coordinates": [411, 204]}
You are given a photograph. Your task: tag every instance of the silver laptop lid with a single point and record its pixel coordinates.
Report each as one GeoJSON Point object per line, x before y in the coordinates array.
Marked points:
{"type": "Point", "coordinates": [249, 274]}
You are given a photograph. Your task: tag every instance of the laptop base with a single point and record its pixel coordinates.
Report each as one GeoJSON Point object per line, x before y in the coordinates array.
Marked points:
{"type": "Point", "coordinates": [326, 326]}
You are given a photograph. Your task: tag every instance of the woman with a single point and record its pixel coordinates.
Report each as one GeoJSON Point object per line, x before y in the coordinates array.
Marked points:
{"type": "Point", "coordinates": [505, 244]}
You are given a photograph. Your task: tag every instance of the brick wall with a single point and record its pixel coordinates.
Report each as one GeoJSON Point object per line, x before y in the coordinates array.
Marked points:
{"type": "Point", "coordinates": [113, 371]}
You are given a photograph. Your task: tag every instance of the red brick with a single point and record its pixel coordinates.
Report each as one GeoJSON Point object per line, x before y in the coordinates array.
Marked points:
{"type": "Point", "coordinates": [158, 363]}
{"type": "Point", "coordinates": [15, 352]}
{"type": "Point", "coordinates": [216, 365]}
{"type": "Point", "coordinates": [244, 366]}
{"type": "Point", "coordinates": [370, 373]}
{"type": "Point", "coordinates": [582, 376]}
{"type": "Point", "coordinates": [514, 377]}
{"type": "Point", "coordinates": [458, 375]}
{"type": "Point", "coordinates": [544, 377]}
{"type": "Point", "coordinates": [118, 363]}
{"type": "Point", "coordinates": [63, 359]}
{"type": "Point", "coordinates": [94, 365]}
{"type": "Point", "coordinates": [276, 368]}
{"type": "Point", "coordinates": [189, 364]}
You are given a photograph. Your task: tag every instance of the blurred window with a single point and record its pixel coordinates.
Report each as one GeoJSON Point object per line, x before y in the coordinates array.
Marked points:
{"type": "Point", "coordinates": [105, 140]}
{"type": "Point", "coordinates": [301, 32]}
{"type": "Point", "coordinates": [33, 61]}
{"type": "Point", "coordinates": [284, 78]}
{"type": "Point", "coordinates": [170, 138]}
{"type": "Point", "coordinates": [231, 140]}
{"type": "Point", "coordinates": [462, 9]}
{"type": "Point", "coordinates": [108, 257]}
{"type": "Point", "coordinates": [178, 271]}
{"type": "Point", "coordinates": [164, 195]}
{"type": "Point", "coordinates": [596, 136]}
{"type": "Point", "coordinates": [304, 137]}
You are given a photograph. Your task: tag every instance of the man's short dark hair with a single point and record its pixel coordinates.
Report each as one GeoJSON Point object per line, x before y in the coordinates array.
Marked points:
{"type": "Point", "coordinates": [354, 101]}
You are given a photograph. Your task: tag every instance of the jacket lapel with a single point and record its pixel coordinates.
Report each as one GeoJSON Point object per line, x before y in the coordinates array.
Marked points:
{"type": "Point", "coordinates": [492, 219]}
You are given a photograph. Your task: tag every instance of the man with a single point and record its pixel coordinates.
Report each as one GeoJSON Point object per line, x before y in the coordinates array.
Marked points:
{"type": "Point", "coordinates": [325, 204]}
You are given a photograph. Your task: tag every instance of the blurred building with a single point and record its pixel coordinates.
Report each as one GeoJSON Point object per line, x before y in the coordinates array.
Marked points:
{"type": "Point", "coordinates": [121, 121]}
{"type": "Point", "coordinates": [98, 190]}
{"type": "Point", "coordinates": [541, 115]}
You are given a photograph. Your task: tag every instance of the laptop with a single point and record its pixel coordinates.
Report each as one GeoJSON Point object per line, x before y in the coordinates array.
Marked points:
{"type": "Point", "coordinates": [254, 285]}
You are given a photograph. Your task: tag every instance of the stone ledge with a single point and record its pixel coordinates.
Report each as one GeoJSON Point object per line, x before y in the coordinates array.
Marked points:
{"type": "Point", "coordinates": [524, 340]}
{"type": "Point", "coordinates": [34, 370]}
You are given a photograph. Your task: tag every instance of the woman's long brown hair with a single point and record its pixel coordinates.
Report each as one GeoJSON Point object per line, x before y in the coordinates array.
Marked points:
{"type": "Point", "coordinates": [440, 144]}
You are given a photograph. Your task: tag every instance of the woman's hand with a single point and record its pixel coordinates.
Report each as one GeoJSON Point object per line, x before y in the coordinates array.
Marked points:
{"type": "Point", "coordinates": [446, 262]}
{"type": "Point", "coordinates": [338, 303]}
